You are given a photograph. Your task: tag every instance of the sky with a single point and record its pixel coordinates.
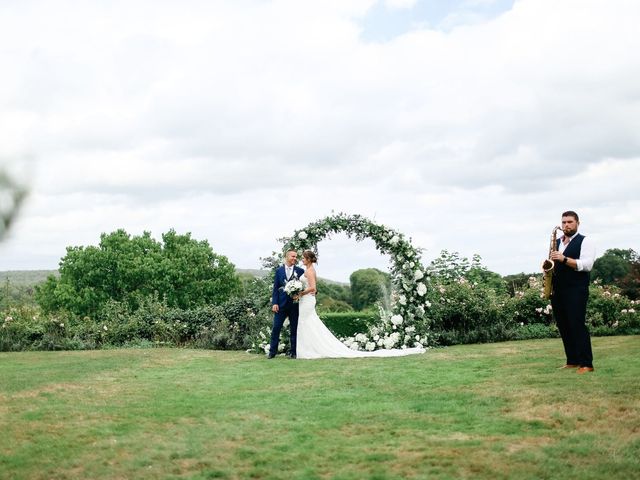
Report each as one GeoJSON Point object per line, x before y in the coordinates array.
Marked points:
{"type": "Point", "coordinates": [467, 125]}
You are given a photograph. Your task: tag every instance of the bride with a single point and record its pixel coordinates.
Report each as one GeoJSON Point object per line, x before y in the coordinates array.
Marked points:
{"type": "Point", "coordinates": [315, 340]}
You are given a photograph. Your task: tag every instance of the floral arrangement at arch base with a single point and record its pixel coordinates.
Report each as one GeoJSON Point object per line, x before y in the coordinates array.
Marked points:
{"type": "Point", "coordinates": [406, 323]}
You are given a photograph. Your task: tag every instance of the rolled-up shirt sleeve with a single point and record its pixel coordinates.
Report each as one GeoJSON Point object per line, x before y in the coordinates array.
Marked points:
{"type": "Point", "coordinates": [587, 256]}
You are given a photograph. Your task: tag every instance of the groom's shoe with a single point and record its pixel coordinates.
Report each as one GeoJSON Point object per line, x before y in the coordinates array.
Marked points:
{"type": "Point", "coordinates": [293, 356]}
{"type": "Point", "coordinates": [270, 356]}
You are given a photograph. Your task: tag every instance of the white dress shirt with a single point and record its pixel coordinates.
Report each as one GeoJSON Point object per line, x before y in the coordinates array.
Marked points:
{"type": "Point", "coordinates": [587, 254]}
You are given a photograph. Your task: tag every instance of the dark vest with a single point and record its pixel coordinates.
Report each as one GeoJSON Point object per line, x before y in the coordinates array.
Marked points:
{"type": "Point", "coordinates": [565, 276]}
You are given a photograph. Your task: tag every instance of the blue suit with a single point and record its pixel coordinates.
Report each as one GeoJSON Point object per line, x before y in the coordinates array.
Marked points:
{"type": "Point", "coordinates": [287, 308]}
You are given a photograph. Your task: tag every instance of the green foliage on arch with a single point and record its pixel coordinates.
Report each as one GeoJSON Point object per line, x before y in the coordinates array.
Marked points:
{"type": "Point", "coordinates": [406, 323]}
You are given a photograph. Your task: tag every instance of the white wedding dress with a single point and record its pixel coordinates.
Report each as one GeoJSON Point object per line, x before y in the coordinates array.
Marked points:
{"type": "Point", "coordinates": [315, 340]}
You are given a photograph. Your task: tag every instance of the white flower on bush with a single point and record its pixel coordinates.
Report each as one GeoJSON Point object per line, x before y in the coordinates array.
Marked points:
{"type": "Point", "coordinates": [427, 303]}
{"type": "Point", "coordinates": [391, 340]}
{"type": "Point", "coordinates": [302, 235]}
{"type": "Point", "coordinates": [417, 337]}
{"type": "Point", "coordinates": [370, 346]}
{"type": "Point", "coordinates": [394, 240]}
{"type": "Point", "coordinates": [376, 338]}
{"type": "Point", "coordinates": [402, 300]}
{"type": "Point", "coordinates": [286, 322]}
{"type": "Point", "coordinates": [266, 348]}
{"type": "Point", "coordinates": [396, 319]}
{"type": "Point", "coordinates": [380, 342]}
{"type": "Point", "coordinates": [361, 338]}
{"type": "Point", "coordinates": [104, 327]}
{"type": "Point", "coordinates": [418, 275]}
{"type": "Point", "coordinates": [422, 289]}
{"type": "Point", "coordinates": [410, 329]}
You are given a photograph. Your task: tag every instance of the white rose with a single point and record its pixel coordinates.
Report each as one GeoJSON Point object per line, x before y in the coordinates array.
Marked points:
{"type": "Point", "coordinates": [302, 235]}
{"type": "Point", "coordinates": [402, 300]}
{"type": "Point", "coordinates": [370, 346]}
{"type": "Point", "coordinates": [361, 337]}
{"type": "Point", "coordinates": [389, 343]}
{"type": "Point", "coordinates": [394, 240]}
{"type": "Point", "coordinates": [427, 304]}
{"type": "Point", "coordinates": [422, 289]}
{"type": "Point", "coordinates": [396, 319]}
{"type": "Point", "coordinates": [418, 275]}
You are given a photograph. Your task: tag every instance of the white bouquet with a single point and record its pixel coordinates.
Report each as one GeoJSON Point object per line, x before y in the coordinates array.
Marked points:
{"type": "Point", "coordinates": [293, 287]}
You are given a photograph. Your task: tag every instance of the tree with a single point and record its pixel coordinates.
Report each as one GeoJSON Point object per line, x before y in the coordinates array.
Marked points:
{"type": "Point", "coordinates": [184, 271]}
{"type": "Point", "coordinates": [368, 286]}
{"type": "Point", "coordinates": [614, 265]}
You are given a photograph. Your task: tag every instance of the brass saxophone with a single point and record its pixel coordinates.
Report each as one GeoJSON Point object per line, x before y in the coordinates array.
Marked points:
{"type": "Point", "coordinates": [548, 265]}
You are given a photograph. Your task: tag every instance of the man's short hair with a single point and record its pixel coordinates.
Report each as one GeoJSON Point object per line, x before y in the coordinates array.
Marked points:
{"type": "Point", "coordinates": [571, 213]}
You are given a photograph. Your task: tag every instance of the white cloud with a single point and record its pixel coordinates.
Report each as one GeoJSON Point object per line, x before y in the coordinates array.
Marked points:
{"type": "Point", "coordinates": [400, 4]}
{"type": "Point", "coordinates": [214, 117]}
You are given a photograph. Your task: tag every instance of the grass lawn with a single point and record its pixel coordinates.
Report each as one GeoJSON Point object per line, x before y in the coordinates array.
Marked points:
{"type": "Point", "coordinates": [477, 411]}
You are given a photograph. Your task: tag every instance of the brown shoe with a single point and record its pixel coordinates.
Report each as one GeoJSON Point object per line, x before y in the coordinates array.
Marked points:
{"type": "Point", "coordinates": [568, 365]}
{"type": "Point", "coordinates": [585, 369]}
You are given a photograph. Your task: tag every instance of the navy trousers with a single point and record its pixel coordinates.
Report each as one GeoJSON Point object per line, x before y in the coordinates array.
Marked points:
{"type": "Point", "coordinates": [570, 311]}
{"type": "Point", "coordinates": [292, 311]}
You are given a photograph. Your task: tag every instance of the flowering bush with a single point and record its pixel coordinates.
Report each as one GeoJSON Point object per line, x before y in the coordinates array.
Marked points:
{"type": "Point", "coordinates": [610, 312]}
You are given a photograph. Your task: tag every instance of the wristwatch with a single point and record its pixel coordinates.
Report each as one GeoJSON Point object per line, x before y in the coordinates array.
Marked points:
{"type": "Point", "coordinates": [565, 260]}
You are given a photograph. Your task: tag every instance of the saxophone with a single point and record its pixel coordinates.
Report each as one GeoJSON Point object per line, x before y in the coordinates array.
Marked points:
{"type": "Point", "coordinates": [548, 266]}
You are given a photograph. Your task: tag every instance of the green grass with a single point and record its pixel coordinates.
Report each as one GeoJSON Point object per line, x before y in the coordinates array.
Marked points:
{"type": "Point", "coordinates": [477, 411]}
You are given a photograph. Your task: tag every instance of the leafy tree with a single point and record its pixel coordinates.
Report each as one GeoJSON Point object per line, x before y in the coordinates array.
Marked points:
{"type": "Point", "coordinates": [184, 271]}
{"type": "Point", "coordinates": [368, 286]}
{"type": "Point", "coordinates": [630, 284]}
{"type": "Point", "coordinates": [451, 267]}
{"type": "Point", "coordinates": [614, 265]}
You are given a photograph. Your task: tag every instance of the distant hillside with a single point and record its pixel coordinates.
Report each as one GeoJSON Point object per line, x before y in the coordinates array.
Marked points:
{"type": "Point", "coordinates": [26, 277]}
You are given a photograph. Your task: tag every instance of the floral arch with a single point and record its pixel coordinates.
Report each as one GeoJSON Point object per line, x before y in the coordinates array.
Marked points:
{"type": "Point", "coordinates": [406, 324]}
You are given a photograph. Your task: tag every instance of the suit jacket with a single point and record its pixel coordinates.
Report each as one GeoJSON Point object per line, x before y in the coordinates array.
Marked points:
{"type": "Point", "coordinates": [279, 297]}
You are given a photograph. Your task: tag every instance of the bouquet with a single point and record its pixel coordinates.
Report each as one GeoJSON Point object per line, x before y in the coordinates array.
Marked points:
{"type": "Point", "coordinates": [293, 287]}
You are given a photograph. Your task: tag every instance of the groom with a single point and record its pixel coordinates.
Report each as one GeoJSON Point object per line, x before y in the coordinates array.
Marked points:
{"type": "Point", "coordinates": [283, 305]}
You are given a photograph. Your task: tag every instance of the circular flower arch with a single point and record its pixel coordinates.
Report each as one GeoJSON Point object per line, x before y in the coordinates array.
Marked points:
{"type": "Point", "coordinates": [406, 323]}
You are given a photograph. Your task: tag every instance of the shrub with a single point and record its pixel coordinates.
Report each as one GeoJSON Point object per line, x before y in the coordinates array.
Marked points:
{"type": "Point", "coordinates": [346, 324]}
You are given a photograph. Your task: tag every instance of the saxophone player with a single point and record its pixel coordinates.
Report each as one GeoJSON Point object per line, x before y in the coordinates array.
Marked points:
{"type": "Point", "coordinates": [573, 258]}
